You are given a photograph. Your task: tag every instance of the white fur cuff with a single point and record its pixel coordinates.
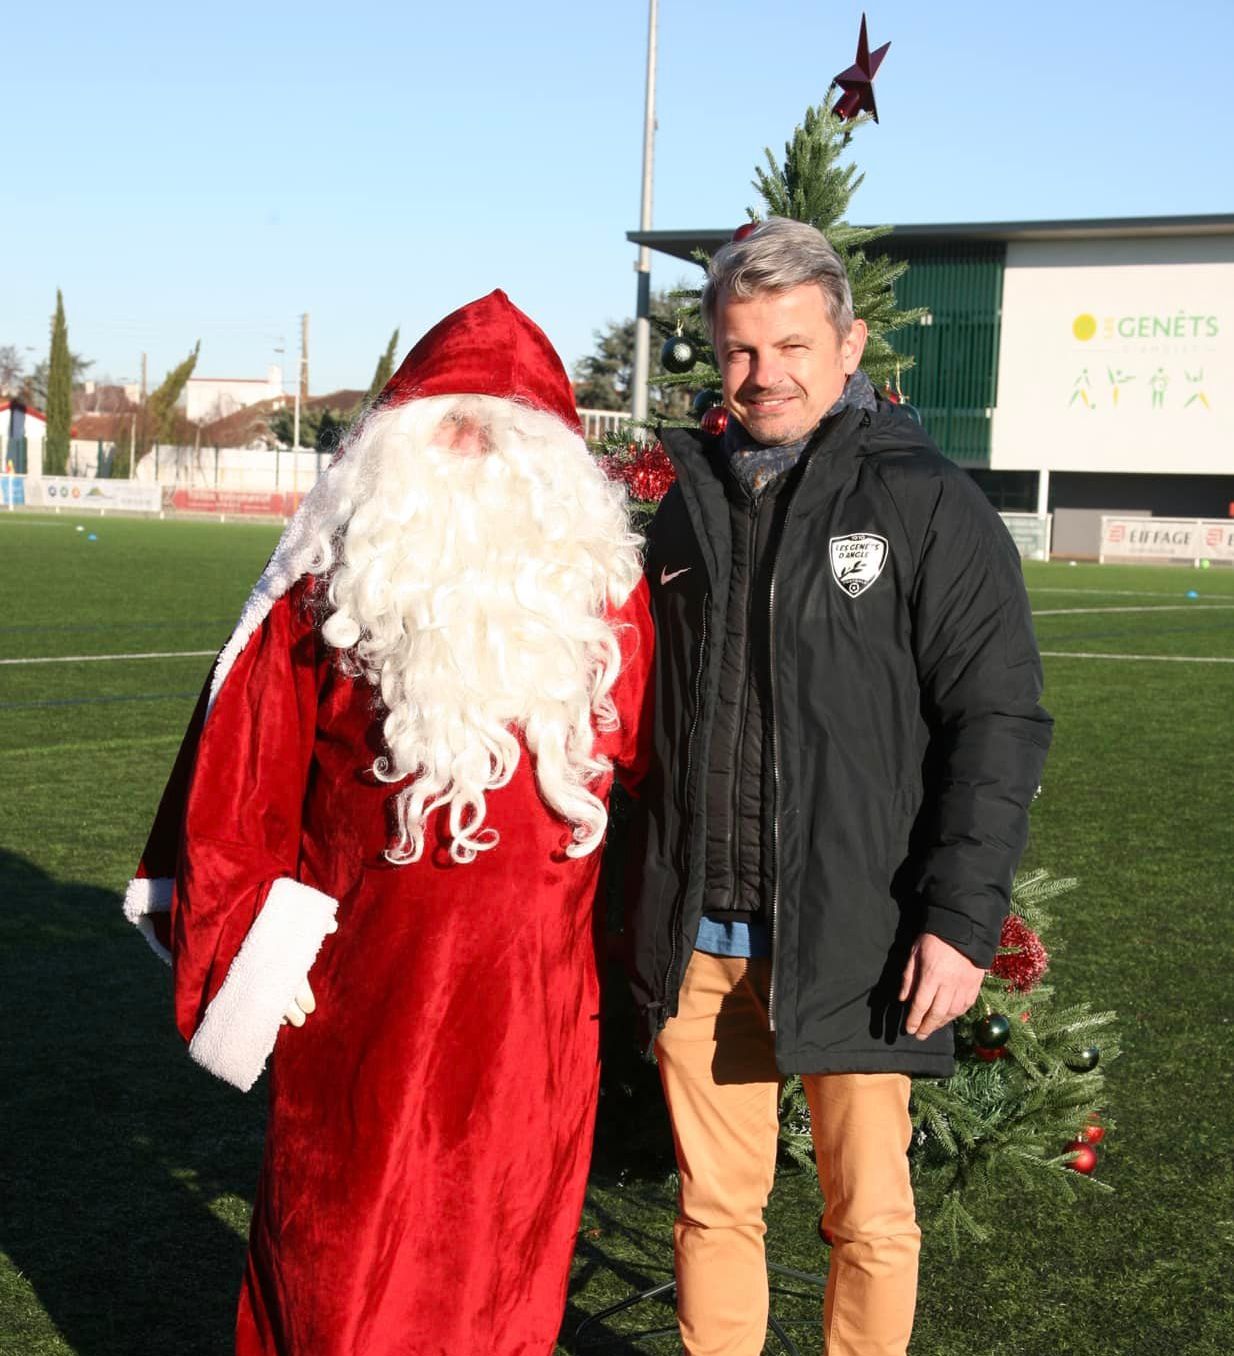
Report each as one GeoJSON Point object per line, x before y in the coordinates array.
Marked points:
{"type": "Point", "coordinates": [237, 1034]}
{"type": "Point", "coordinates": [144, 897]}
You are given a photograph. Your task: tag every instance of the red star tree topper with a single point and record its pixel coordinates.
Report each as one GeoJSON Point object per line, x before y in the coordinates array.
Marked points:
{"type": "Point", "coordinates": [857, 81]}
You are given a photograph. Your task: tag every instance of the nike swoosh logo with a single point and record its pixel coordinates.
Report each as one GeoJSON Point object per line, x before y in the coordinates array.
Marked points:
{"type": "Point", "coordinates": [666, 577]}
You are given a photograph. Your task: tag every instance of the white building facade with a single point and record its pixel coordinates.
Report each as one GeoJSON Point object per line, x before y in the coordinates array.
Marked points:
{"type": "Point", "coordinates": [211, 398]}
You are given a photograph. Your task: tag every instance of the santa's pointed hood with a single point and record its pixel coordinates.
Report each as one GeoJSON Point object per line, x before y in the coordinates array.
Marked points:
{"type": "Point", "coordinates": [488, 347]}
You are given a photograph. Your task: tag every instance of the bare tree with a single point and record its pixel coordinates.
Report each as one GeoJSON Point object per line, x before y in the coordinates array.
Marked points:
{"type": "Point", "coordinates": [12, 369]}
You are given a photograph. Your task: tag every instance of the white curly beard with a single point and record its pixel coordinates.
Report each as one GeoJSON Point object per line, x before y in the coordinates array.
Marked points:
{"type": "Point", "coordinates": [473, 592]}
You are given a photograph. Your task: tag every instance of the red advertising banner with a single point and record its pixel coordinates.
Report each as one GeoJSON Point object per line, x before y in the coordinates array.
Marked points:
{"type": "Point", "coordinates": [251, 503]}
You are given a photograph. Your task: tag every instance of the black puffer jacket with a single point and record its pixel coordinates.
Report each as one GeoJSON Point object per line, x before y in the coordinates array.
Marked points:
{"type": "Point", "coordinates": [906, 736]}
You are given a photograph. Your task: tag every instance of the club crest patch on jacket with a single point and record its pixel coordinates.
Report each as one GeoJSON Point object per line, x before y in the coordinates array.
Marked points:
{"type": "Point", "coordinates": [857, 560]}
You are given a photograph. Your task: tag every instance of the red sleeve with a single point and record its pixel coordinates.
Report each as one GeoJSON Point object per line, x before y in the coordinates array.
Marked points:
{"type": "Point", "coordinates": [244, 930]}
{"type": "Point", "coordinates": [632, 693]}
{"type": "Point", "coordinates": [241, 827]}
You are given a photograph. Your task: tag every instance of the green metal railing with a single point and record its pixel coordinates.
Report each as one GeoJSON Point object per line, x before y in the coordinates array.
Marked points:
{"type": "Point", "coordinates": [954, 382]}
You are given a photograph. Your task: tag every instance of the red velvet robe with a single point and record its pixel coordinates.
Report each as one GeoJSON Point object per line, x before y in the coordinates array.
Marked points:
{"type": "Point", "coordinates": [430, 1125]}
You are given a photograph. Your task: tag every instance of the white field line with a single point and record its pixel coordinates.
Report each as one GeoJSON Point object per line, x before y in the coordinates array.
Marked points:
{"type": "Point", "coordinates": [97, 658]}
{"type": "Point", "coordinates": [1051, 612]}
{"type": "Point", "coordinates": [1149, 607]}
{"type": "Point", "coordinates": [1107, 593]}
{"type": "Point", "coordinates": [106, 745]}
{"type": "Point", "coordinates": [1155, 658]}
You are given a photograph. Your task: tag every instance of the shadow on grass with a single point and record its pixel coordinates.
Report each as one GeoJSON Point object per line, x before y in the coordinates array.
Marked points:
{"type": "Point", "coordinates": [126, 1171]}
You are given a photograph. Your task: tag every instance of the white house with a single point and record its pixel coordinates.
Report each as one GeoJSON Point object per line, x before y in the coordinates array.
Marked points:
{"type": "Point", "coordinates": [210, 398]}
{"type": "Point", "coordinates": [23, 430]}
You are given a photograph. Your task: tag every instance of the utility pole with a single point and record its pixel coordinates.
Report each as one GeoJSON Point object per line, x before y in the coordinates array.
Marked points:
{"type": "Point", "coordinates": [301, 389]}
{"type": "Point", "coordinates": [304, 381]}
{"type": "Point", "coordinates": [642, 313]}
{"type": "Point", "coordinates": [141, 414]}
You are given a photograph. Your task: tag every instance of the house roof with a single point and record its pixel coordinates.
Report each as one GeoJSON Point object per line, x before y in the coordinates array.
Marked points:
{"type": "Point", "coordinates": [241, 428]}
{"type": "Point", "coordinates": [681, 244]}
{"type": "Point", "coordinates": [21, 405]}
{"type": "Point", "coordinates": [107, 426]}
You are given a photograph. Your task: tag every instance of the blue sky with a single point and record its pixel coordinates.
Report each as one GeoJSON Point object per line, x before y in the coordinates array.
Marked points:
{"type": "Point", "coordinates": [211, 172]}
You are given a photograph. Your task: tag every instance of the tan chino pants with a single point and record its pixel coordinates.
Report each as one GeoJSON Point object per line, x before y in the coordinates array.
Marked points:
{"type": "Point", "coordinates": [717, 1064]}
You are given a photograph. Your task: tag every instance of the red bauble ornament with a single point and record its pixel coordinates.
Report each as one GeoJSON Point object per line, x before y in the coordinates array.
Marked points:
{"type": "Point", "coordinates": [745, 229]}
{"type": "Point", "coordinates": [715, 421]}
{"type": "Point", "coordinates": [989, 1056]}
{"type": "Point", "coordinates": [650, 475]}
{"type": "Point", "coordinates": [893, 397]}
{"type": "Point", "coordinates": [1093, 1132]}
{"type": "Point", "coordinates": [1024, 966]}
{"type": "Point", "coordinates": [1085, 1159]}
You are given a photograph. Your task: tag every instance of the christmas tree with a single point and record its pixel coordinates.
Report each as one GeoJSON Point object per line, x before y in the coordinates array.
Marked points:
{"type": "Point", "coordinates": [813, 184]}
{"type": "Point", "coordinates": [1024, 1105]}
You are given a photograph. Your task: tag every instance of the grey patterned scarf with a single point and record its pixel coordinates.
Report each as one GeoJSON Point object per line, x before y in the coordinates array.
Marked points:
{"type": "Point", "coordinates": [755, 466]}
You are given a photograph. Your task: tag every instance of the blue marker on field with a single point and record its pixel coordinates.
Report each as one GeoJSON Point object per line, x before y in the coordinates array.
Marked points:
{"type": "Point", "coordinates": [92, 537]}
{"type": "Point", "coordinates": [1191, 593]}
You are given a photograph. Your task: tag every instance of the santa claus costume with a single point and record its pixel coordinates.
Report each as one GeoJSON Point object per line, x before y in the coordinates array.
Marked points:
{"type": "Point", "coordinates": [396, 785]}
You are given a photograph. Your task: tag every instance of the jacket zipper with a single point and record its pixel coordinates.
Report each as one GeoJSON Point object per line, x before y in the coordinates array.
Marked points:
{"type": "Point", "coordinates": [673, 954]}
{"type": "Point", "coordinates": [775, 780]}
{"type": "Point", "coordinates": [775, 756]}
{"type": "Point", "coordinates": [743, 705]}
{"type": "Point", "coordinates": [775, 741]}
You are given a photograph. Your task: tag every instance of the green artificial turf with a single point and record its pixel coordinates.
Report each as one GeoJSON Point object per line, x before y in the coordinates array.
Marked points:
{"type": "Point", "coordinates": [126, 1173]}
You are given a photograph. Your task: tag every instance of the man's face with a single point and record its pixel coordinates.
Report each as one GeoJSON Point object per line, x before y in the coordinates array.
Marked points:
{"type": "Point", "coordinates": [463, 435]}
{"type": "Point", "coordinates": [783, 363]}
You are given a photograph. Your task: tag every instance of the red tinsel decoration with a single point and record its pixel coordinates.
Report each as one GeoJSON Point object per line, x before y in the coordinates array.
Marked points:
{"type": "Point", "coordinates": [1024, 966]}
{"type": "Point", "coordinates": [649, 475]}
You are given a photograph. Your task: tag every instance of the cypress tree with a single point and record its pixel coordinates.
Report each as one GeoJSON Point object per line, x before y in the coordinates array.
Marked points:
{"type": "Point", "coordinates": [160, 411]}
{"type": "Point", "coordinates": [59, 396]}
{"type": "Point", "coordinates": [384, 371]}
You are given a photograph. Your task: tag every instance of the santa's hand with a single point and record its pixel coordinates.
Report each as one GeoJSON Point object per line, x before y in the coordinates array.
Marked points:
{"type": "Point", "coordinates": [300, 1006]}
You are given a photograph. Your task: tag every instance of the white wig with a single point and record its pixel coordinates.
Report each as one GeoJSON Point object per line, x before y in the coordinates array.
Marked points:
{"type": "Point", "coordinates": [474, 592]}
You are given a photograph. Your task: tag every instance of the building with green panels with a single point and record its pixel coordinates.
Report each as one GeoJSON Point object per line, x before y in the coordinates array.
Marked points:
{"type": "Point", "coordinates": [1072, 367]}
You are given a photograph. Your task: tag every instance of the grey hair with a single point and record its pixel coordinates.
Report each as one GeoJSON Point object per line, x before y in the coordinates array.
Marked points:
{"type": "Point", "coordinates": [777, 255]}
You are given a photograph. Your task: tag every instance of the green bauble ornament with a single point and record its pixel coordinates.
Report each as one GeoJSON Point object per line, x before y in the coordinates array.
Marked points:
{"type": "Point", "coordinates": [1085, 1060]}
{"type": "Point", "coordinates": [678, 355]}
{"type": "Point", "coordinates": [991, 1032]}
{"type": "Point", "coordinates": [704, 401]}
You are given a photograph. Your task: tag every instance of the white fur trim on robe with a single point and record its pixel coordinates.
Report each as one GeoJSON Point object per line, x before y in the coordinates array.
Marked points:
{"type": "Point", "coordinates": [237, 1034]}
{"type": "Point", "coordinates": [292, 559]}
{"type": "Point", "coordinates": [145, 897]}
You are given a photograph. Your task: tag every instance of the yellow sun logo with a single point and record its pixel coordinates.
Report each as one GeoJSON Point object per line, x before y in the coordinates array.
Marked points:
{"type": "Point", "coordinates": [1084, 327]}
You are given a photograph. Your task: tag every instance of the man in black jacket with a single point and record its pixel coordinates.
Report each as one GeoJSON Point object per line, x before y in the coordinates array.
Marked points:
{"type": "Point", "coordinates": [847, 739]}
